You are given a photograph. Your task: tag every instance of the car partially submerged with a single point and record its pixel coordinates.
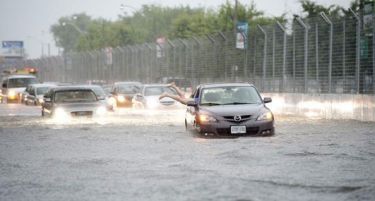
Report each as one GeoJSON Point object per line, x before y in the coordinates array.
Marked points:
{"type": "Point", "coordinates": [35, 92]}
{"type": "Point", "coordinates": [123, 93]}
{"type": "Point", "coordinates": [148, 98]}
{"type": "Point", "coordinates": [232, 109]}
{"type": "Point", "coordinates": [68, 102]}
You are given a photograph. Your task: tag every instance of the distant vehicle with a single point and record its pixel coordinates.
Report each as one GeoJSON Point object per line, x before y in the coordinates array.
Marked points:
{"type": "Point", "coordinates": [234, 109]}
{"type": "Point", "coordinates": [148, 98]}
{"type": "Point", "coordinates": [68, 102]}
{"type": "Point", "coordinates": [123, 92]}
{"type": "Point", "coordinates": [14, 85]}
{"type": "Point", "coordinates": [101, 95]}
{"type": "Point", "coordinates": [35, 93]}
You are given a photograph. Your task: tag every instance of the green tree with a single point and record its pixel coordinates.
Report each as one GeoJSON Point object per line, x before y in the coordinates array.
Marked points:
{"type": "Point", "coordinates": [68, 30]}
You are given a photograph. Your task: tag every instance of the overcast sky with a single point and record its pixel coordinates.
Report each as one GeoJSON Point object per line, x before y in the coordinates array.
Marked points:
{"type": "Point", "coordinates": [30, 20]}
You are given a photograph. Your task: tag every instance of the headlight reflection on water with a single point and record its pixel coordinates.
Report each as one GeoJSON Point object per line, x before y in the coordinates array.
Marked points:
{"type": "Point", "coordinates": [123, 116]}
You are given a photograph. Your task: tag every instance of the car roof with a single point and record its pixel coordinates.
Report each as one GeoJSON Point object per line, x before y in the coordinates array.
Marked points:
{"type": "Point", "coordinates": [70, 88]}
{"type": "Point", "coordinates": [19, 76]}
{"type": "Point", "coordinates": [43, 85]}
{"type": "Point", "coordinates": [213, 85]}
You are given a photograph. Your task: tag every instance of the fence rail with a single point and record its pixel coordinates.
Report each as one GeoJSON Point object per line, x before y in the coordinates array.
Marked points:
{"type": "Point", "coordinates": [317, 55]}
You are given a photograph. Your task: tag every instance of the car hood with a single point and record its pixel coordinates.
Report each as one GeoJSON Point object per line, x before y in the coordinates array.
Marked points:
{"type": "Point", "coordinates": [231, 110]}
{"type": "Point", "coordinates": [79, 106]}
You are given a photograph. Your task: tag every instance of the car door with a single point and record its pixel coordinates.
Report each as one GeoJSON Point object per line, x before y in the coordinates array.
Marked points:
{"type": "Point", "coordinates": [32, 95]}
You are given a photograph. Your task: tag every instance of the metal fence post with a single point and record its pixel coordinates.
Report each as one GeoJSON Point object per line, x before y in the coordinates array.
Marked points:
{"type": "Point", "coordinates": [225, 60]}
{"type": "Point", "coordinates": [264, 56]}
{"type": "Point", "coordinates": [186, 57]}
{"type": "Point", "coordinates": [193, 66]}
{"type": "Point", "coordinates": [358, 50]}
{"type": "Point", "coordinates": [299, 20]}
{"type": "Point", "coordinates": [174, 56]}
{"type": "Point", "coordinates": [149, 70]}
{"type": "Point", "coordinates": [329, 22]}
{"type": "Point", "coordinates": [344, 54]}
{"type": "Point", "coordinates": [284, 56]}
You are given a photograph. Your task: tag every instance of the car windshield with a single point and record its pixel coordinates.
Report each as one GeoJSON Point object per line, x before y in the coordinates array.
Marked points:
{"type": "Point", "coordinates": [99, 92]}
{"type": "Point", "coordinates": [21, 82]}
{"type": "Point", "coordinates": [75, 96]}
{"type": "Point", "coordinates": [230, 96]}
{"type": "Point", "coordinates": [128, 89]}
{"type": "Point", "coordinates": [158, 90]}
{"type": "Point", "coordinates": [41, 90]}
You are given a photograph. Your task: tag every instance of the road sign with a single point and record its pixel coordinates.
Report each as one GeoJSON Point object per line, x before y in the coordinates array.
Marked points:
{"type": "Point", "coordinates": [241, 35]}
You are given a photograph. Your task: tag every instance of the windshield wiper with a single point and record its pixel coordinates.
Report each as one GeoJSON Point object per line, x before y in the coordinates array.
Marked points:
{"type": "Point", "coordinates": [210, 104]}
{"type": "Point", "coordinates": [238, 103]}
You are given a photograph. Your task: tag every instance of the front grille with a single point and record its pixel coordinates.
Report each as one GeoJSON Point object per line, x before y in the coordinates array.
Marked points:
{"type": "Point", "coordinates": [243, 118]}
{"type": "Point", "coordinates": [249, 131]}
{"type": "Point", "coordinates": [81, 113]}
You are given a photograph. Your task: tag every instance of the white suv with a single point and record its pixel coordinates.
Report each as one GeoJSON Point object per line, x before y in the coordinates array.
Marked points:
{"type": "Point", "coordinates": [12, 86]}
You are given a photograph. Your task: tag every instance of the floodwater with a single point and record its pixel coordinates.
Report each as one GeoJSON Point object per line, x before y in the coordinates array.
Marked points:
{"type": "Point", "coordinates": [148, 156]}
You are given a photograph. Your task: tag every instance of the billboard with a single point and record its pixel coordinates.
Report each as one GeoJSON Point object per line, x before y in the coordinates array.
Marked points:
{"type": "Point", "coordinates": [241, 35]}
{"type": "Point", "coordinates": [11, 49]}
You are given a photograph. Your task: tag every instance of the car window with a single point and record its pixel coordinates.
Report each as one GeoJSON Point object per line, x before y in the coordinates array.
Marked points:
{"type": "Point", "coordinates": [41, 90]}
{"type": "Point", "coordinates": [128, 89]}
{"type": "Point", "coordinates": [75, 96]}
{"type": "Point", "coordinates": [20, 82]}
{"type": "Point", "coordinates": [32, 91]}
{"type": "Point", "coordinates": [153, 91]}
{"type": "Point", "coordinates": [99, 92]}
{"type": "Point", "coordinates": [230, 95]}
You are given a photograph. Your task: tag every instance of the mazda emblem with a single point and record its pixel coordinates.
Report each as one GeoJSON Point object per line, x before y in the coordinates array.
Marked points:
{"type": "Point", "coordinates": [237, 118]}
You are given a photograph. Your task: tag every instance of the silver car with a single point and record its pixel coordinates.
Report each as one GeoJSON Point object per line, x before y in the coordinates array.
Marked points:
{"type": "Point", "coordinates": [64, 103]}
{"type": "Point", "coordinates": [148, 98]}
{"type": "Point", "coordinates": [234, 109]}
{"type": "Point", "coordinates": [35, 92]}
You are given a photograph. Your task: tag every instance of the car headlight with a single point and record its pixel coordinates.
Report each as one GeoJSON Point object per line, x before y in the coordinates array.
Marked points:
{"type": "Point", "coordinates": [60, 114]}
{"type": "Point", "coordinates": [267, 116]}
{"type": "Point", "coordinates": [101, 110]}
{"type": "Point", "coordinates": [12, 94]}
{"type": "Point", "coordinates": [204, 118]}
{"type": "Point", "coordinates": [121, 99]}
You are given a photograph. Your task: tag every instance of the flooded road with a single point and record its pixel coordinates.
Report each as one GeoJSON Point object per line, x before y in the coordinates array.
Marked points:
{"type": "Point", "coordinates": [149, 156]}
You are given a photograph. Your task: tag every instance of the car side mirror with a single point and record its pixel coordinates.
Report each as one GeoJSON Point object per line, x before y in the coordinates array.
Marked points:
{"type": "Point", "coordinates": [267, 100]}
{"type": "Point", "coordinates": [138, 96]}
{"type": "Point", "coordinates": [4, 85]}
{"type": "Point", "coordinates": [191, 103]}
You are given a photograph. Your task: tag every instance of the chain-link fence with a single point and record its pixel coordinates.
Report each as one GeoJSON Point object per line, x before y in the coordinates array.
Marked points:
{"type": "Point", "coordinates": [317, 55]}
